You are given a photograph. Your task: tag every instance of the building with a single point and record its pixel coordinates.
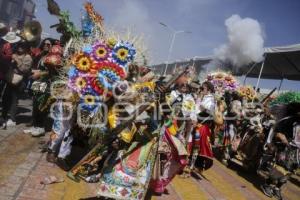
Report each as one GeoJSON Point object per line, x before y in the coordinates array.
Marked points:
{"type": "Point", "coordinates": [16, 12]}
{"type": "Point", "coordinates": [198, 63]}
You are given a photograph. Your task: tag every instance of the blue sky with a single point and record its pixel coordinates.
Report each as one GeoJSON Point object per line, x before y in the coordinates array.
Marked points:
{"type": "Point", "coordinates": [204, 18]}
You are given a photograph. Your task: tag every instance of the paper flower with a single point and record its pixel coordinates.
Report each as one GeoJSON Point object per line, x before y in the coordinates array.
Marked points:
{"type": "Point", "coordinates": [123, 53]}
{"type": "Point", "coordinates": [79, 83]}
{"type": "Point", "coordinates": [108, 74]}
{"type": "Point", "coordinates": [94, 16]}
{"type": "Point", "coordinates": [87, 25]}
{"type": "Point", "coordinates": [97, 86]}
{"type": "Point", "coordinates": [56, 49]}
{"type": "Point", "coordinates": [247, 92]}
{"type": "Point", "coordinates": [72, 72]}
{"type": "Point", "coordinates": [219, 75]}
{"type": "Point", "coordinates": [53, 60]}
{"type": "Point", "coordinates": [222, 81]}
{"type": "Point", "coordinates": [90, 100]}
{"type": "Point", "coordinates": [82, 62]}
{"type": "Point", "coordinates": [88, 49]}
{"type": "Point", "coordinates": [110, 66]}
{"type": "Point", "coordinates": [111, 42]}
{"type": "Point", "coordinates": [100, 52]}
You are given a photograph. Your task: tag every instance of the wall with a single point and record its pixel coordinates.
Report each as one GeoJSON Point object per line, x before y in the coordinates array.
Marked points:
{"type": "Point", "coordinates": [13, 11]}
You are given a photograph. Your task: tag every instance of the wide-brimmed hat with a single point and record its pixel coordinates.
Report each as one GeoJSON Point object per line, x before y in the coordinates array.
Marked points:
{"type": "Point", "coordinates": [11, 37]}
{"type": "Point", "coordinates": [3, 29]}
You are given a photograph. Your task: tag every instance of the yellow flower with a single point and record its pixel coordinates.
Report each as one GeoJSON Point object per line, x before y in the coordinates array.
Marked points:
{"type": "Point", "coordinates": [127, 134]}
{"type": "Point", "coordinates": [101, 52]}
{"type": "Point", "coordinates": [80, 82]}
{"type": "Point", "coordinates": [122, 54]}
{"type": "Point", "coordinates": [173, 129]}
{"type": "Point", "coordinates": [111, 42]}
{"type": "Point", "coordinates": [82, 62]}
{"type": "Point", "coordinates": [89, 99]}
{"type": "Point", "coordinates": [112, 118]}
{"type": "Point", "coordinates": [219, 75]}
{"type": "Point", "coordinates": [140, 86]}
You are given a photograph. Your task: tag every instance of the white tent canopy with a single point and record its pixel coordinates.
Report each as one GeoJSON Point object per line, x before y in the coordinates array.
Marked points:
{"type": "Point", "coordinates": [289, 48]}
{"type": "Point", "coordinates": [280, 63]}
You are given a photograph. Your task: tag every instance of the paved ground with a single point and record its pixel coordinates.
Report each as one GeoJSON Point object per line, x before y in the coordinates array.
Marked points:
{"type": "Point", "coordinates": [22, 167]}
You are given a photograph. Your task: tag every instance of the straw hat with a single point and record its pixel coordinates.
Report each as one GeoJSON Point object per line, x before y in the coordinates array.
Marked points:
{"type": "Point", "coordinates": [3, 29]}
{"type": "Point", "coordinates": [11, 37]}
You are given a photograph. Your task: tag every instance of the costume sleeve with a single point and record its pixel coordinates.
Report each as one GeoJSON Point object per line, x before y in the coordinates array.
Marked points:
{"type": "Point", "coordinates": [189, 107]}
{"type": "Point", "coordinates": [208, 103]}
{"type": "Point", "coordinates": [172, 97]}
{"type": "Point", "coordinates": [6, 51]}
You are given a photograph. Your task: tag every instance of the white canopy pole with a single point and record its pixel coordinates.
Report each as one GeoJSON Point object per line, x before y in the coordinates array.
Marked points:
{"type": "Point", "coordinates": [170, 51]}
{"type": "Point", "coordinates": [176, 64]}
{"type": "Point", "coordinates": [250, 70]}
{"type": "Point", "coordinates": [258, 80]}
{"type": "Point", "coordinates": [244, 83]}
{"type": "Point", "coordinates": [279, 88]}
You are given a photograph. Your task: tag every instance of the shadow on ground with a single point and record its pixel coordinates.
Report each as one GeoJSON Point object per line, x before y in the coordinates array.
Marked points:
{"type": "Point", "coordinates": [248, 175]}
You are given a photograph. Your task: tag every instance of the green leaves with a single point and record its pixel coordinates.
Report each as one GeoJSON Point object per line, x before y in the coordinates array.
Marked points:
{"type": "Point", "coordinates": [67, 25]}
{"type": "Point", "coordinates": [287, 98]}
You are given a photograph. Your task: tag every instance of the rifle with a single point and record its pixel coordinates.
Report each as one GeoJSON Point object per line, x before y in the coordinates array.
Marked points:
{"type": "Point", "coordinates": [264, 100]}
{"type": "Point", "coordinates": [114, 133]}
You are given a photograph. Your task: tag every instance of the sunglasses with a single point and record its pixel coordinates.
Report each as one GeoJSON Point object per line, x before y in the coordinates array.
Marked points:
{"type": "Point", "coordinates": [48, 44]}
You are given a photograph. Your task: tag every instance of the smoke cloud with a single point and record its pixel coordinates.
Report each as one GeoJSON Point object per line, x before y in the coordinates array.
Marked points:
{"type": "Point", "coordinates": [245, 42]}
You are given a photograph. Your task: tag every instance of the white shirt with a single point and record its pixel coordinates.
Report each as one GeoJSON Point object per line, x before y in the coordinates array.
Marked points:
{"type": "Point", "coordinates": [188, 104]}
{"type": "Point", "coordinates": [208, 103]}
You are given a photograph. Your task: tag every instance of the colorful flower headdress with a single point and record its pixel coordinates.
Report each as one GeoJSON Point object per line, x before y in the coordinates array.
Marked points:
{"type": "Point", "coordinates": [99, 66]}
{"type": "Point", "coordinates": [222, 81]}
{"type": "Point", "coordinates": [98, 63]}
{"type": "Point", "coordinates": [97, 60]}
{"type": "Point", "coordinates": [247, 91]}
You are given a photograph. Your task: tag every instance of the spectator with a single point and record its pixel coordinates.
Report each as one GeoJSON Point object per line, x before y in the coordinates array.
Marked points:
{"type": "Point", "coordinates": [7, 46]}
{"type": "Point", "coordinates": [19, 69]}
{"type": "Point", "coordinates": [43, 76]}
{"type": "Point", "coordinates": [40, 73]}
{"type": "Point", "coordinates": [3, 29]}
{"type": "Point", "coordinates": [3, 59]}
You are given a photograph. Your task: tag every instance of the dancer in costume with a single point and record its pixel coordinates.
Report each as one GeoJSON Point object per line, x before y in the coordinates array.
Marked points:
{"type": "Point", "coordinates": [61, 138]}
{"type": "Point", "coordinates": [281, 153]}
{"type": "Point", "coordinates": [104, 73]}
{"type": "Point", "coordinates": [199, 146]}
{"type": "Point", "coordinates": [183, 103]}
{"type": "Point", "coordinates": [171, 158]}
{"type": "Point", "coordinates": [124, 156]}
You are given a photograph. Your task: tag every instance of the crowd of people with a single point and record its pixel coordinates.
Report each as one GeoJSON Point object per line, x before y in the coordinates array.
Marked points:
{"type": "Point", "coordinates": [23, 65]}
{"type": "Point", "coordinates": [157, 127]}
